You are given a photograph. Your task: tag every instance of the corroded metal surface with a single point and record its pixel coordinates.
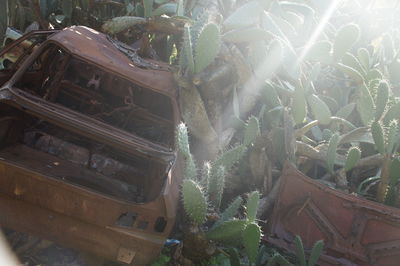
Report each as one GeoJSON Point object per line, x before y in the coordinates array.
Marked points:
{"type": "Point", "coordinates": [95, 47]}
{"type": "Point", "coordinates": [355, 231]}
{"type": "Point", "coordinates": [15, 49]}
{"type": "Point", "coordinates": [87, 153]}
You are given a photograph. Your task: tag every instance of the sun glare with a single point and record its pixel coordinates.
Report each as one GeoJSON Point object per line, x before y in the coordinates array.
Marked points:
{"type": "Point", "coordinates": [321, 25]}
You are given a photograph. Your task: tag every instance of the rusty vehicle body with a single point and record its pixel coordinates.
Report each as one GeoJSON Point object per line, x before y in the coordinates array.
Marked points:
{"type": "Point", "coordinates": [355, 231]}
{"type": "Point", "coordinates": [87, 154]}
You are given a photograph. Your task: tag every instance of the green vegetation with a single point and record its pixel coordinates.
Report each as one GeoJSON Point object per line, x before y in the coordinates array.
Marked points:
{"type": "Point", "coordinates": [199, 194]}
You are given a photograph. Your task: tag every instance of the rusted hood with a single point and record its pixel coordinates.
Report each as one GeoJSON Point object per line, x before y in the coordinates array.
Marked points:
{"type": "Point", "coordinates": [95, 47]}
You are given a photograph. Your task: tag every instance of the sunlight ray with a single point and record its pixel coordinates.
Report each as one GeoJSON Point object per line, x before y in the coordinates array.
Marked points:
{"type": "Point", "coordinates": [325, 18]}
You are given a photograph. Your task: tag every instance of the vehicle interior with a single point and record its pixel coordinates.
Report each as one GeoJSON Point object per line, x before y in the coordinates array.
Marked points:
{"type": "Point", "coordinates": [53, 150]}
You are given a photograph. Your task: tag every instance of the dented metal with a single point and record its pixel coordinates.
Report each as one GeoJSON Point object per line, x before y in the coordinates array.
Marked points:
{"type": "Point", "coordinates": [87, 153]}
{"type": "Point", "coordinates": [355, 231]}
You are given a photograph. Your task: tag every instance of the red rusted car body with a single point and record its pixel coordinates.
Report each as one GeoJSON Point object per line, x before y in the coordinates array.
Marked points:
{"type": "Point", "coordinates": [355, 231]}
{"type": "Point", "coordinates": [87, 154]}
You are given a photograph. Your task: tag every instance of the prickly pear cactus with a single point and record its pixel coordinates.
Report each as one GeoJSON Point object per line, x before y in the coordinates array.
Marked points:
{"type": "Point", "coordinates": [364, 58]}
{"type": "Point", "coordinates": [216, 186]}
{"type": "Point", "coordinates": [120, 24]}
{"type": "Point", "coordinates": [331, 156]}
{"type": "Point", "coordinates": [251, 240]}
{"type": "Point", "coordinates": [381, 99]}
{"type": "Point", "coordinates": [182, 141]}
{"type": "Point", "coordinates": [353, 156]}
{"type": "Point", "coordinates": [232, 209]}
{"type": "Point", "coordinates": [365, 105]}
{"type": "Point", "coordinates": [299, 105]}
{"type": "Point", "coordinates": [392, 138]}
{"type": "Point", "coordinates": [252, 205]}
{"type": "Point", "coordinates": [230, 157]}
{"type": "Point", "coordinates": [186, 56]}
{"type": "Point", "coordinates": [344, 40]}
{"type": "Point", "coordinates": [227, 230]}
{"type": "Point", "coordinates": [391, 198]}
{"type": "Point", "coordinates": [206, 47]}
{"type": "Point", "coordinates": [194, 201]}
{"type": "Point", "coordinates": [319, 109]}
{"type": "Point", "coordinates": [252, 130]}
{"type": "Point", "coordinates": [378, 136]}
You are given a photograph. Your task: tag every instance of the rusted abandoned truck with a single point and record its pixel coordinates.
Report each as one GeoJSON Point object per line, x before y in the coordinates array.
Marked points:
{"type": "Point", "coordinates": [87, 154]}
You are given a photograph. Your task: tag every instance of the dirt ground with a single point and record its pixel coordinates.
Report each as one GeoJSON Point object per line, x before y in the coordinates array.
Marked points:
{"type": "Point", "coordinates": [32, 251]}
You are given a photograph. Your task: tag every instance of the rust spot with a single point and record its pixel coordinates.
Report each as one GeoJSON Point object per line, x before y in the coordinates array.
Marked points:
{"type": "Point", "coordinates": [19, 190]}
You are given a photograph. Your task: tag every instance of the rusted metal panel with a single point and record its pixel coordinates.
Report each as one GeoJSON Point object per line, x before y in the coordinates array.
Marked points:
{"type": "Point", "coordinates": [14, 50]}
{"type": "Point", "coordinates": [106, 242]}
{"type": "Point", "coordinates": [87, 153]}
{"type": "Point", "coordinates": [94, 46]}
{"type": "Point", "coordinates": [355, 231]}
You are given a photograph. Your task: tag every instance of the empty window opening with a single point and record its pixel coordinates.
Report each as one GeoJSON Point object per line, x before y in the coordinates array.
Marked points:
{"type": "Point", "coordinates": [160, 224]}
{"type": "Point", "coordinates": [63, 79]}
{"type": "Point", "coordinates": [80, 160]}
{"type": "Point", "coordinates": [126, 219]}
